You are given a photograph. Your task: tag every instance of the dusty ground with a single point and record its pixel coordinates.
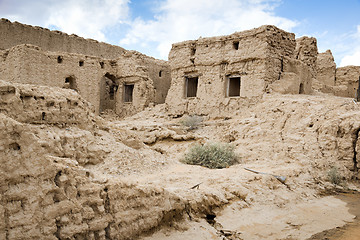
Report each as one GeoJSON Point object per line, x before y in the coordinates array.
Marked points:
{"type": "Point", "coordinates": [283, 135]}
{"type": "Point", "coordinates": [350, 231]}
{"type": "Point", "coordinates": [110, 178]}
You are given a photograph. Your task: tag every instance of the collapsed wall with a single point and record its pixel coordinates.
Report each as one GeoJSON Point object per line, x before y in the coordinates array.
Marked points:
{"type": "Point", "coordinates": [347, 81]}
{"type": "Point", "coordinates": [45, 190]}
{"type": "Point", "coordinates": [342, 81]}
{"type": "Point", "coordinates": [104, 83]}
{"type": "Point", "coordinates": [211, 74]}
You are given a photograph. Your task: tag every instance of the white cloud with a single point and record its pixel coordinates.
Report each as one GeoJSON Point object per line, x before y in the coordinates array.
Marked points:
{"type": "Point", "coordinates": [353, 56]}
{"type": "Point", "coordinates": [179, 20]}
{"type": "Point", "coordinates": [87, 18]}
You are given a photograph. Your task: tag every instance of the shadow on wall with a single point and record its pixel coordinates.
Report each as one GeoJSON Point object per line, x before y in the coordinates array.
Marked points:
{"type": "Point", "coordinates": [108, 92]}
{"type": "Point", "coordinates": [70, 83]}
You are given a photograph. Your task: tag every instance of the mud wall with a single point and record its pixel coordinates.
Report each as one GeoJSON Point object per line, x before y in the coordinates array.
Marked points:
{"type": "Point", "coordinates": [342, 81]}
{"type": "Point", "coordinates": [326, 72]}
{"type": "Point", "coordinates": [89, 76]}
{"type": "Point", "coordinates": [263, 59]}
{"type": "Point", "coordinates": [46, 193]}
{"type": "Point", "coordinates": [14, 33]}
{"type": "Point", "coordinates": [347, 81]}
{"type": "Point", "coordinates": [28, 64]}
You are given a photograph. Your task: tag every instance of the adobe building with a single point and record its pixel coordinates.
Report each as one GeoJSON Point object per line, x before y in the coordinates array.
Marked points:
{"type": "Point", "coordinates": [219, 74]}
{"type": "Point", "coordinates": [212, 75]}
{"type": "Point", "coordinates": [107, 76]}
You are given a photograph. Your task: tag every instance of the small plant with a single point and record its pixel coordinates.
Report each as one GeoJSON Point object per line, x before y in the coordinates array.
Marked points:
{"type": "Point", "coordinates": [191, 122]}
{"type": "Point", "coordinates": [334, 176]}
{"type": "Point", "coordinates": [211, 155]}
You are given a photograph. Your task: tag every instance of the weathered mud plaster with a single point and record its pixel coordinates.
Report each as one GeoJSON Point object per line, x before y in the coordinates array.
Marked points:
{"type": "Point", "coordinates": [100, 72]}
{"type": "Point", "coordinates": [211, 74]}
{"type": "Point", "coordinates": [342, 81]}
{"type": "Point", "coordinates": [100, 81]}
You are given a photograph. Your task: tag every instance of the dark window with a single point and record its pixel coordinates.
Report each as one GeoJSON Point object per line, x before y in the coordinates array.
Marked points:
{"type": "Point", "coordinates": [112, 92]}
{"type": "Point", "coordinates": [191, 86]}
{"type": "Point", "coordinates": [234, 87]}
{"type": "Point", "coordinates": [128, 92]}
{"type": "Point", "coordinates": [301, 88]}
{"type": "Point", "coordinates": [81, 63]}
{"type": "Point", "coordinates": [59, 59]}
{"type": "Point", "coordinates": [236, 45]}
{"type": "Point", "coordinates": [101, 64]}
{"type": "Point", "coordinates": [160, 73]}
{"type": "Point", "coordinates": [70, 82]}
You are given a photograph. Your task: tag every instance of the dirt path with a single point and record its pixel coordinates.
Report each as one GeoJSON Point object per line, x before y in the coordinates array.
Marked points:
{"type": "Point", "coordinates": [350, 231]}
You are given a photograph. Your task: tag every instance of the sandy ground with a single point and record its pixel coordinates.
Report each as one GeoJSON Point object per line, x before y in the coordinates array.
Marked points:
{"type": "Point", "coordinates": [350, 231]}
{"type": "Point", "coordinates": [299, 221]}
{"type": "Point", "coordinates": [284, 139]}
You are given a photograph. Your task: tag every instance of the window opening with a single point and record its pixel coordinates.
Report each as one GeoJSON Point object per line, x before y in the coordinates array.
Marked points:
{"type": "Point", "coordinates": [101, 64]}
{"type": "Point", "coordinates": [59, 59]}
{"type": "Point", "coordinates": [160, 73]}
{"type": "Point", "coordinates": [70, 82]}
{"type": "Point", "coordinates": [301, 88]}
{"type": "Point", "coordinates": [81, 63]}
{"type": "Point", "coordinates": [236, 45]}
{"type": "Point", "coordinates": [128, 92]}
{"type": "Point", "coordinates": [191, 86]}
{"type": "Point", "coordinates": [234, 84]}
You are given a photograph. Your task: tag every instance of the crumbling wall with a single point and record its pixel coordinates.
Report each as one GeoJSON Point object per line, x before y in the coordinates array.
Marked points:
{"type": "Point", "coordinates": [38, 105]}
{"type": "Point", "coordinates": [45, 194]}
{"type": "Point", "coordinates": [347, 81]}
{"type": "Point", "coordinates": [93, 77]}
{"type": "Point", "coordinates": [298, 68]}
{"type": "Point", "coordinates": [326, 72]}
{"type": "Point", "coordinates": [14, 33]}
{"type": "Point", "coordinates": [342, 81]}
{"type": "Point", "coordinates": [262, 58]}
{"type": "Point", "coordinates": [307, 52]}
{"type": "Point", "coordinates": [29, 64]}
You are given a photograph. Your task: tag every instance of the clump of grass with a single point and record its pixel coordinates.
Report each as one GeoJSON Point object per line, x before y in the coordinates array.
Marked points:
{"type": "Point", "coordinates": [191, 122]}
{"type": "Point", "coordinates": [211, 155]}
{"type": "Point", "coordinates": [334, 176]}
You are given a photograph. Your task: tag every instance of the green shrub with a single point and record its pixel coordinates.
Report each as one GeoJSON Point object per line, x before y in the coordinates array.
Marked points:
{"type": "Point", "coordinates": [191, 122]}
{"type": "Point", "coordinates": [334, 176]}
{"type": "Point", "coordinates": [211, 155]}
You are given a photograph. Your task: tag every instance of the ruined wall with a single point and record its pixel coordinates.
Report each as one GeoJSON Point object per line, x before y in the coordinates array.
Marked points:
{"type": "Point", "coordinates": [326, 72]}
{"type": "Point", "coordinates": [92, 77]}
{"type": "Point", "coordinates": [45, 190]}
{"type": "Point", "coordinates": [14, 33]}
{"type": "Point", "coordinates": [263, 59]}
{"type": "Point", "coordinates": [28, 64]}
{"type": "Point", "coordinates": [342, 81]}
{"type": "Point", "coordinates": [307, 52]}
{"type": "Point", "coordinates": [347, 81]}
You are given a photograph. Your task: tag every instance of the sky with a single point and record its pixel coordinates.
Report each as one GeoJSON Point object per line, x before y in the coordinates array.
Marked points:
{"type": "Point", "coordinates": [151, 26]}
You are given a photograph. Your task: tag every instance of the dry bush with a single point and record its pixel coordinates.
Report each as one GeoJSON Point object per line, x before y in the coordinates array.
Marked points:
{"type": "Point", "coordinates": [211, 155]}
{"type": "Point", "coordinates": [334, 176]}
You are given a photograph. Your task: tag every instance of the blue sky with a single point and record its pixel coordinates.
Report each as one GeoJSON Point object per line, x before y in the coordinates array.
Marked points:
{"type": "Point", "coordinates": [151, 26]}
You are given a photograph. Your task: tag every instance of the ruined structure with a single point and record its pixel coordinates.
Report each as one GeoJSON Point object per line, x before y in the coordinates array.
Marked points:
{"type": "Point", "coordinates": [107, 76]}
{"type": "Point", "coordinates": [66, 173]}
{"type": "Point", "coordinates": [209, 75]}
{"type": "Point", "coordinates": [342, 81]}
{"type": "Point", "coordinates": [212, 75]}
